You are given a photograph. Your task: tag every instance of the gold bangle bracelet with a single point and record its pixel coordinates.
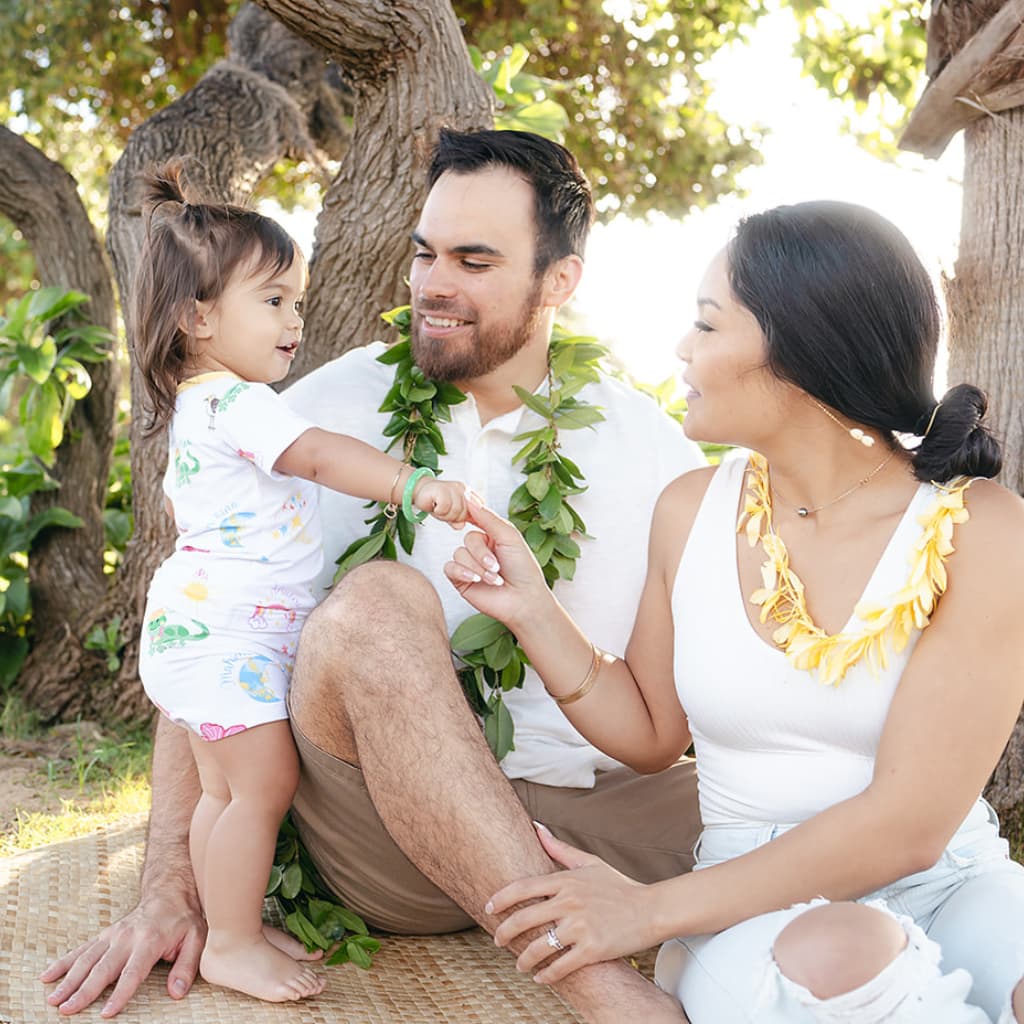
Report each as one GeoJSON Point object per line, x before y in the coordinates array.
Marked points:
{"type": "Point", "coordinates": [391, 508]}
{"type": "Point", "coordinates": [391, 490]}
{"type": "Point", "coordinates": [588, 682]}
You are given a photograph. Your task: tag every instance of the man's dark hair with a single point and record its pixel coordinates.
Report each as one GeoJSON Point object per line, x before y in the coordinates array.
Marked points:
{"type": "Point", "coordinates": [563, 208]}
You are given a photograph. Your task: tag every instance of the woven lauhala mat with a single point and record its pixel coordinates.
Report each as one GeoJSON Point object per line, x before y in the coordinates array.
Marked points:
{"type": "Point", "coordinates": [60, 895]}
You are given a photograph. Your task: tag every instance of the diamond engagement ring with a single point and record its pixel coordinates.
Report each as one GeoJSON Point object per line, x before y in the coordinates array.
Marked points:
{"type": "Point", "coordinates": [553, 939]}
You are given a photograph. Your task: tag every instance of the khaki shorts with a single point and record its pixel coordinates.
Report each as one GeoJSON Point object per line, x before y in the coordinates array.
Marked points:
{"type": "Point", "coordinates": [643, 825]}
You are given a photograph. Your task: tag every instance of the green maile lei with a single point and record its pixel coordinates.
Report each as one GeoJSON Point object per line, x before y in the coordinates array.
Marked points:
{"type": "Point", "coordinates": [310, 911]}
{"type": "Point", "coordinates": [491, 662]}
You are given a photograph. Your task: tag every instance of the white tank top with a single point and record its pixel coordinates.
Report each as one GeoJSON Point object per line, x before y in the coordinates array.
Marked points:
{"type": "Point", "coordinates": [773, 745]}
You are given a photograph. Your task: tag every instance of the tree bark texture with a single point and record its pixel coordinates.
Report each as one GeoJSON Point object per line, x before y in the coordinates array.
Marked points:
{"type": "Point", "coordinates": [986, 327]}
{"type": "Point", "coordinates": [402, 70]}
{"type": "Point", "coordinates": [66, 568]}
{"type": "Point", "coordinates": [234, 125]}
{"type": "Point", "coordinates": [410, 73]}
{"type": "Point", "coordinates": [975, 62]}
{"type": "Point", "coordinates": [237, 123]}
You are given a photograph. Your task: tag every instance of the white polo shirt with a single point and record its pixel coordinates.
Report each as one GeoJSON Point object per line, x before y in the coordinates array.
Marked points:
{"type": "Point", "coordinates": [627, 460]}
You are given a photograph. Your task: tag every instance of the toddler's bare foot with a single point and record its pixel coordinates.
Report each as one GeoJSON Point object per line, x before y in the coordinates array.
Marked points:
{"type": "Point", "coordinates": [256, 968]}
{"type": "Point", "coordinates": [289, 944]}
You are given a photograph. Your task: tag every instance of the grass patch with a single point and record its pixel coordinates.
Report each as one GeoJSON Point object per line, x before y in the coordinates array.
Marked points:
{"type": "Point", "coordinates": [92, 760]}
{"type": "Point", "coordinates": [130, 796]}
{"type": "Point", "coordinates": [89, 775]}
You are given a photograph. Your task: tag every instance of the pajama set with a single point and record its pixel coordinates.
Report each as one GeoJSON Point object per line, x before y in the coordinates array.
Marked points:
{"type": "Point", "coordinates": [224, 611]}
{"type": "Point", "coordinates": [775, 747]}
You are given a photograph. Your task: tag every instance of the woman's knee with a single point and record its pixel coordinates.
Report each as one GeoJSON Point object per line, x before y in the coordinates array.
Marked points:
{"type": "Point", "coordinates": [836, 947]}
{"type": "Point", "coordinates": [1018, 1001]}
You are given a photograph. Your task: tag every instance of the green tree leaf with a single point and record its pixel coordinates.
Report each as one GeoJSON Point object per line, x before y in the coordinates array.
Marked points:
{"type": "Point", "coordinates": [13, 649]}
{"type": "Point", "coordinates": [38, 360]}
{"type": "Point", "coordinates": [41, 410]}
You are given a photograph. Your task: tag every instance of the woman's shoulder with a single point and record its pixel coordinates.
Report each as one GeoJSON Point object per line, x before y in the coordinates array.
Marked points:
{"type": "Point", "coordinates": [687, 491]}
{"type": "Point", "coordinates": [990, 538]}
{"type": "Point", "coordinates": [676, 511]}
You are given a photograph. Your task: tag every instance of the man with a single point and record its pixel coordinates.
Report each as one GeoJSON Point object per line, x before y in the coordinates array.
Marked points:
{"type": "Point", "coordinates": [407, 815]}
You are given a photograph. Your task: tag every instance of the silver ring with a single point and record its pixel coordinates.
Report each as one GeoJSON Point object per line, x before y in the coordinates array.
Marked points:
{"type": "Point", "coordinates": [553, 941]}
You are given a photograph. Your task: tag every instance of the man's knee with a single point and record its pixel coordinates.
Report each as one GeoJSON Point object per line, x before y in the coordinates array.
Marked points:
{"type": "Point", "coordinates": [377, 595]}
{"type": "Point", "coordinates": [375, 620]}
{"type": "Point", "coordinates": [1018, 1001]}
{"type": "Point", "coordinates": [837, 947]}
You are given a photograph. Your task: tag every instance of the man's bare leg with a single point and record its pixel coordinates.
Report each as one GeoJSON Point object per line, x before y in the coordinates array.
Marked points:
{"type": "Point", "coordinates": [373, 685]}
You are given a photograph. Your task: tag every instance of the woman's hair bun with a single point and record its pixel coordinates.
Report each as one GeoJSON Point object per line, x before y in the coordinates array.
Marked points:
{"type": "Point", "coordinates": [957, 443]}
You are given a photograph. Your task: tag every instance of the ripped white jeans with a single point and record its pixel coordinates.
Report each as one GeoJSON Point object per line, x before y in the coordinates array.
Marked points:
{"type": "Point", "coordinates": [964, 920]}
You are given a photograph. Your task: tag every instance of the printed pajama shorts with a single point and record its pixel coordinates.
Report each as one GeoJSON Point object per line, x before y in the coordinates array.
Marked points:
{"type": "Point", "coordinates": [216, 680]}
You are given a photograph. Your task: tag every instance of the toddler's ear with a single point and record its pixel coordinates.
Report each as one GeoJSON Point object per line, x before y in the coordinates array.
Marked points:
{"type": "Point", "coordinates": [199, 328]}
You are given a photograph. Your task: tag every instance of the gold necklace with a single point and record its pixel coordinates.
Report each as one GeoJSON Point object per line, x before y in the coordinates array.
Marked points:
{"type": "Point", "coordinates": [803, 512]}
{"type": "Point", "coordinates": [887, 626]}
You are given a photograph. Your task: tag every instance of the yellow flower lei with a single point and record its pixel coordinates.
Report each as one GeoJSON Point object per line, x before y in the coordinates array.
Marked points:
{"type": "Point", "coordinates": [806, 645]}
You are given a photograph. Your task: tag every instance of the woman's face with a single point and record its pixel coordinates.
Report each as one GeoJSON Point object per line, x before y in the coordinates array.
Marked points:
{"type": "Point", "coordinates": [733, 397]}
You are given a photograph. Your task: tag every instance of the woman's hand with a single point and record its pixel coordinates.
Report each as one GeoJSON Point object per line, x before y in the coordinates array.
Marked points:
{"type": "Point", "coordinates": [595, 912]}
{"type": "Point", "coordinates": [495, 571]}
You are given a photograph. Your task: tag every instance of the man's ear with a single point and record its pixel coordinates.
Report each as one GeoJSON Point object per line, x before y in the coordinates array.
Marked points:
{"type": "Point", "coordinates": [561, 280]}
{"type": "Point", "coordinates": [199, 328]}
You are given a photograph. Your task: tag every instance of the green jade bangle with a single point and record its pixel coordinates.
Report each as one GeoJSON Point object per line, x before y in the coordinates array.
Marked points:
{"type": "Point", "coordinates": [408, 511]}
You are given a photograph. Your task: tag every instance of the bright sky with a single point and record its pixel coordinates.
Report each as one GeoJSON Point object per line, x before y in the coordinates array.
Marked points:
{"type": "Point", "coordinates": [641, 278]}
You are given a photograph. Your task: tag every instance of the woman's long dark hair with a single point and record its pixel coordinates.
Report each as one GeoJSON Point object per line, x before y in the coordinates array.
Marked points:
{"type": "Point", "coordinates": [850, 317]}
{"type": "Point", "coordinates": [190, 252]}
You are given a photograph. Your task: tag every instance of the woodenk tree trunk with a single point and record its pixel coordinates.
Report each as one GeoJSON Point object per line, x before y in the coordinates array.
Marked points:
{"type": "Point", "coordinates": [987, 332]}
{"type": "Point", "coordinates": [976, 60]}
{"type": "Point", "coordinates": [405, 72]}
{"type": "Point", "coordinates": [410, 72]}
{"type": "Point", "coordinates": [66, 569]}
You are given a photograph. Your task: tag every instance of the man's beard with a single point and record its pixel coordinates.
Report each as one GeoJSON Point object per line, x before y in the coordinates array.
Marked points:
{"type": "Point", "coordinates": [482, 352]}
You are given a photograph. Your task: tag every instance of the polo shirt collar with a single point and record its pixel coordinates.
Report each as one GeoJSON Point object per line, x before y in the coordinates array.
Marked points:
{"type": "Point", "coordinates": [466, 415]}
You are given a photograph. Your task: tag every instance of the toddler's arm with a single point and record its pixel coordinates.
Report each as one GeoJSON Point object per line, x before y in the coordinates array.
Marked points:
{"type": "Point", "coordinates": [353, 467]}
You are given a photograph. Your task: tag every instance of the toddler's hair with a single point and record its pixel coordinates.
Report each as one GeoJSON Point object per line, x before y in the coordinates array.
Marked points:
{"type": "Point", "coordinates": [192, 248]}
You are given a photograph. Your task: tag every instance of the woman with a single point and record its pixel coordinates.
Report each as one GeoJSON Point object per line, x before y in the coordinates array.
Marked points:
{"type": "Point", "coordinates": [845, 719]}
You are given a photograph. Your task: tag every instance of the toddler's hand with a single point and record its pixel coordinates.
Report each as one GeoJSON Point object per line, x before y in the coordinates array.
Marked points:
{"type": "Point", "coordinates": [443, 499]}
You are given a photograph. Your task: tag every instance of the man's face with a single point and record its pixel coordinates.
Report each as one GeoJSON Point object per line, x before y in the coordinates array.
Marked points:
{"type": "Point", "coordinates": [475, 297]}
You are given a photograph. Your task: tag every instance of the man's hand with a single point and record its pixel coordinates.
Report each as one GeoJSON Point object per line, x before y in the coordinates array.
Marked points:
{"type": "Point", "coordinates": [161, 927]}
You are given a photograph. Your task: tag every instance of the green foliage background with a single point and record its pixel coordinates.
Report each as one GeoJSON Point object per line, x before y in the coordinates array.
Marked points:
{"type": "Point", "coordinates": [81, 75]}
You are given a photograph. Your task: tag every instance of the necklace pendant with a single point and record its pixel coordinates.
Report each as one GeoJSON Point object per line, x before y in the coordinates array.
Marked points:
{"type": "Point", "coordinates": [803, 513]}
